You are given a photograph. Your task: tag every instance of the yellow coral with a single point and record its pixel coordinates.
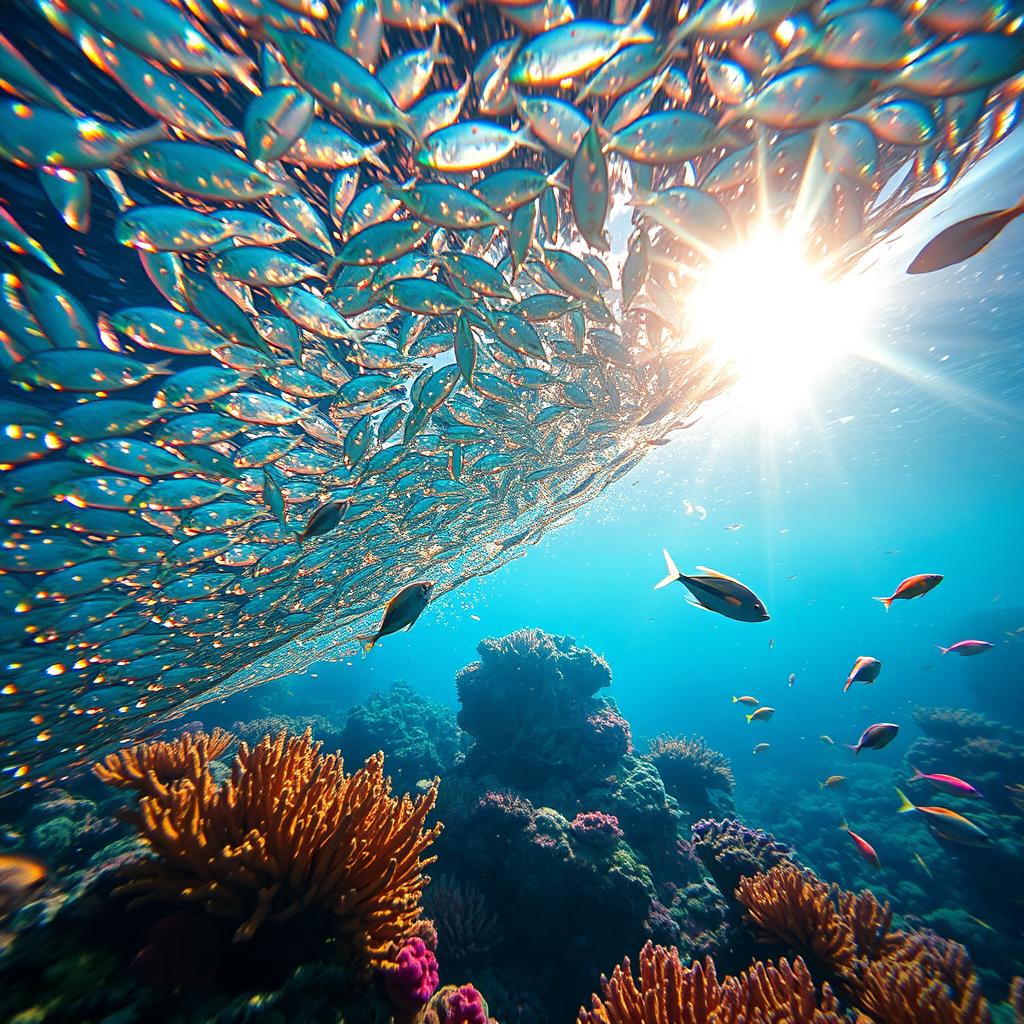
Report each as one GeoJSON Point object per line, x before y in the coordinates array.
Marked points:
{"type": "Point", "coordinates": [290, 831]}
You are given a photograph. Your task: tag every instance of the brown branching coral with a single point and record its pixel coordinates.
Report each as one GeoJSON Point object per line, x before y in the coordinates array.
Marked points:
{"type": "Point", "coordinates": [686, 763]}
{"type": "Point", "coordinates": [890, 977]}
{"type": "Point", "coordinates": [150, 767]}
{"type": "Point", "coordinates": [669, 993]}
{"type": "Point", "coordinates": [291, 832]}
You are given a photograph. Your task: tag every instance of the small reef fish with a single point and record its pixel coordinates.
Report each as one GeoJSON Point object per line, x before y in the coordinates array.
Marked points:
{"type": "Point", "coordinates": [752, 701]}
{"type": "Point", "coordinates": [949, 783]}
{"type": "Point", "coordinates": [827, 740]}
{"type": "Point", "coordinates": [962, 240]}
{"type": "Point", "coordinates": [947, 824]}
{"type": "Point", "coordinates": [792, 678]}
{"type": "Point", "coordinates": [761, 748]}
{"type": "Point", "coordinates": [833, 782]}
{"type": "Point", "coordinates": [874, 737]}
{"type": "Point", "coordinates": [20, 877]}
{"type": "Point", "coordinates": [864, 848]}
{"type": "Point", "coordinates": [911, 587]}
{"type": "Point", "coordinates": [865, 670]}
{"type": "Point", "coordinates": [1015, 792]}
{"type": "Point", "coordinates": [967, 648]}
{"type": "Point", "coordinates": [324, 519]}
{"type": "Point", "coordinates": [760, 715]}
{"type": "Point", "coordinates": [402, 611]}
{"type": "Point", "coordinates": [717, 593]}
{"type": "Point", "coordinates": [924, 864]}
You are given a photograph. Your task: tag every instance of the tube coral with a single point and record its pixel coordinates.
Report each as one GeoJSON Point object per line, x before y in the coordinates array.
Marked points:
{"type": "Point", "coordinates": [892, 977]}
{"type": "Point", "coordinates": [666, 991]}
{"type": "Point", "coordinates": [289, 832]}
{"type": "Point", "coordinates": [150, 767]}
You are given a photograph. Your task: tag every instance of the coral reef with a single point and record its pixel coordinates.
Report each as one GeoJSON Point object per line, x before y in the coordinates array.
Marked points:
{"type": "Point", "coordinates": [291, 832]}
{"type": "Point", "coordinates": [529, 704]}
{"type": "Point", "coordinates": [151, 767]}
{"type": "Point", "coordinates": [666, 992]}
{"type": "Point", "coordinates": [570, 836]}
{"type": "Point", "coordinates": [691, 770]}
{"type": "Point", "coordinates": [418, 736]}
{"type": "Point", "coordinates": [730, 850]}
{"type": "Point", "coordinates": [894, 977]}
{"type": "Point", "coordinates": [458, 1004]}
{"type": "Point", "coordinates": [411, 977]}
{"type": "Point", "coordinates": [467, 929]}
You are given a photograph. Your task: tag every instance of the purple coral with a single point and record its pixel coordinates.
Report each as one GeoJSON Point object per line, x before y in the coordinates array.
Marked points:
{"type": "Point", "coordinates": [411, 980]}
{"type": "Point", "coordinates": [731, 850]}
{"type": "Point", "coordinates": [612, 734]}
{"type": "Point", "coordinates": [596, 828]}
{"type": "Point", "coordinates": [502, 808]}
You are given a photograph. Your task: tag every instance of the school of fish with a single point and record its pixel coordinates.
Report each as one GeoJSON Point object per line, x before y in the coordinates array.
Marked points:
{"type": "Point", "coordinates": [416, 293]}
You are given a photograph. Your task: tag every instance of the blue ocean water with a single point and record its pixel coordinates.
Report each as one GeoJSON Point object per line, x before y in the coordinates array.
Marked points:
{"type": "Point", "coordinates": [566, 847]}
{"type": "Point", "coordinates": [915, 465]}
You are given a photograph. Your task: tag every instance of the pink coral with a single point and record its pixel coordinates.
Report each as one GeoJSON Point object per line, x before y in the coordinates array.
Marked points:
{"type": "Point", "coordinates": [612, 733]}
{"type": "Point", "coordinates": [596, 828]}
{"type": "Point", "coordinates": [464, 1005]}
{"type": "Point", "coordinates": [411, 980]}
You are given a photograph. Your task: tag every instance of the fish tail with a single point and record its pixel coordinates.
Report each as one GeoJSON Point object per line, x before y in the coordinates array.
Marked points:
{"type": "Point", "coordinates": [886, 601]}
{"type": "Point", "coordinates": [854, 747]}
{"type": "Point", "coordinates": [673, 573]}
{"type": "Point", "coordinates": [735, 700]}
{"type": "Point", "coordinates": [749, 718]}
{"type": "Point", "coordinates": [843, 825]}
{"type": "Point", "coordinates": [372, 155]}
{"type": "Point", "coordinates": [905, 805]}
{"type": "Point", "coordinates": [161, 368]}
{"type": "Point", "coordinates": [918, 774]}
{"type": "Point", "coordinates": [945, 650]}
{"type": "Point", "coordinates": [367, 643]}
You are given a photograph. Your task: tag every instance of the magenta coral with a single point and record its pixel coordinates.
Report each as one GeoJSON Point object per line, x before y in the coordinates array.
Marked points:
{"type": "Point", "coordinates": [465, 1005]}
{"type": "Point", "coordinates": [612, 733]}
{"type": "Point", "coordinates": [596, 828]}
{"type": "Point", "coordinates": [411, 980]}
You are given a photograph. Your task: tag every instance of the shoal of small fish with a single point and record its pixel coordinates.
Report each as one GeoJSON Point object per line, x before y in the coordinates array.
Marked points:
{"type": "Point", "coordinates": [421, 262]}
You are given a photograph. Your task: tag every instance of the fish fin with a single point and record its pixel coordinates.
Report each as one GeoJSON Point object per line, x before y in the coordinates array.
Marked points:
{"type": "Point", "coordinates": [162, 368]}
{"type": "Point", "coordinates": [843, 824]}
{"type": "Point", "coordinates": [635, 31]}
{"type": "Point", "coordinates": [886, 601]}
{"type": "Point", "coordinates": [749, 718]}
{"type": "Point", "coordinates": [905, 804]}
{"type": "Point", "coordinates": [849, 683]}
{"type": "Point", "coordinates": [367, 643]}
{"type": "Point", "coordinates": [714, 572]}
{"type": "Point", "coordinates": [853, 747]}
{"type": "Point", "coordinates": [735, 700]}
{"type": "Point", "coordinates": [918, 774]}
{"type": "Point", "coordinates": [673, 573]}
{"type": "Point", "coordinates": [945, 650]}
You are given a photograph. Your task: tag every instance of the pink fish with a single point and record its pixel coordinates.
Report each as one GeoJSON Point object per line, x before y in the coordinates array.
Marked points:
{"type": "Point", "coordinates": [866, 850]}
{"type": "Point", "coordinates": [967, 648]}
{"type": "Point", "coordinates": [950, 783]}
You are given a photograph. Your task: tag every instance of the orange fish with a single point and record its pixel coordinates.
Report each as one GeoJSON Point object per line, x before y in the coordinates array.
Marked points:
{"type": "Point", "coordinates": [745, 700]}
{"type": "Point", "coordinates": [911, 587]}
{"type": "Point", "coordinates": [833, 782]}
{"type": "Point", "coordinates": [866, 850]}
{"type": "Point", "coordinates": [20, 877]}
{"type": "Point", "coordinates": [962, 240]}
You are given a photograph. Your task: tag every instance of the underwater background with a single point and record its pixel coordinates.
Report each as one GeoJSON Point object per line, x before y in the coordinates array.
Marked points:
{"type": "Point", "coordinates": [602, 794]}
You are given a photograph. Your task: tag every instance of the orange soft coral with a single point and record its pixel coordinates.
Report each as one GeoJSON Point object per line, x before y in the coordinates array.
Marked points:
{"type": "Point", "coordinates": [150, 767]}
{"type": "Point", "coordinates": [891, 977]}
{"type": "Point", "coordinates": [669, 993]}
{"type": "Point", "coordinates": [291, 832]}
